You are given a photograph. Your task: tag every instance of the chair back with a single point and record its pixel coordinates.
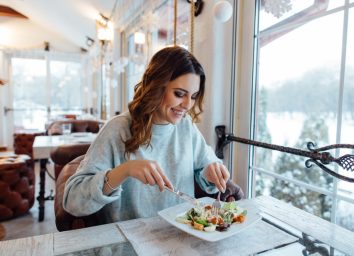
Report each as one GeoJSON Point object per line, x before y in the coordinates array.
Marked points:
{"type": "Point", "coordinates": [66, 153]}
{"type": "Point", "coordinates": [23, 144]}
{"type": "Point", "coordinates": [55, 128]}
{"type": "Point", "coordinates": [64, 220]}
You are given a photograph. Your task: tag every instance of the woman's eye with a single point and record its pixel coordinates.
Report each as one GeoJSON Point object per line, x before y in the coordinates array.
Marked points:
{"type": "Point", "coordinates": [179, 94]}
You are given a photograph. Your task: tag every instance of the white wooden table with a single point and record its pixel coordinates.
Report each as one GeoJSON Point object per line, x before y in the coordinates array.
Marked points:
{"type": "Point", "coordinates": [282, 216]}
{"type": "Point", "coordinates": [42, 146]}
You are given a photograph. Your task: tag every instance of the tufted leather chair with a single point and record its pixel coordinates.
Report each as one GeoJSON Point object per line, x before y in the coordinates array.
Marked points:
{"type": "Point", "coordinates": [65, 153]}
{"type": "Point", "coordinates": [17, 186]}
{"type": "Point", "coordinates": [65, 221]}
{"type": "Point", "coordinates": [23, 144]}
{"type": "Point", "coordinates": [76, 126]}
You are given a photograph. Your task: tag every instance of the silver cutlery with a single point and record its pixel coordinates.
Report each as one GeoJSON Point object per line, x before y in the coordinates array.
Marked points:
{"type": "Point", "coordinates": [184, 196]}
{"type": "Point", "coordinates": [215, 207]}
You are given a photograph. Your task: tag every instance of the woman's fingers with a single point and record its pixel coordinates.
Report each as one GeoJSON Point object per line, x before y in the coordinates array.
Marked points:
{"type": "Point", "coordinates": [161, 178]}
{"type": "Point", "coordinates": [219, 175]}
{"type": "Point", "coordinates": [154, 175]}
{"type": "Point", "coordinates": [215, 177]}
{"type": "Point", "coordinates": [165, 181]}
{"type": "Point", "coordinates": [225, 176]}
{"type": "Point", "coordinates": [149, 178]}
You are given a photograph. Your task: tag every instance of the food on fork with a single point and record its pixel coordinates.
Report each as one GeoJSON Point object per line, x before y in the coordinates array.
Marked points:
{"type": "Point", "coordinates": [202, 218]}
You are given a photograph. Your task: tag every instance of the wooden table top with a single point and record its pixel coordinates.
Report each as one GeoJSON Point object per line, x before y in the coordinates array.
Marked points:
{"type": "Point", "coordinates": [271, 209]}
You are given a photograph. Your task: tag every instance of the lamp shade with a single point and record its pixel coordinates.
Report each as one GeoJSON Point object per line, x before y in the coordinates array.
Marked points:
{"type": "Point", "coordinates": [222, 11]}
{"type": "Point", "coordinates": [139, 37]}
{"type": "Point", "coordinates": [105, 31]}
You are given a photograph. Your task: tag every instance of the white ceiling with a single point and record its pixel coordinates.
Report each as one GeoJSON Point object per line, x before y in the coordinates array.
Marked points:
{"type": "Point", "coordinates": [65, 24]}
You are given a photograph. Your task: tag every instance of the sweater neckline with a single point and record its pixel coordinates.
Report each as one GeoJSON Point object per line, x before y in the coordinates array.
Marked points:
{"type": "Point", "coordinates": [162, 128]}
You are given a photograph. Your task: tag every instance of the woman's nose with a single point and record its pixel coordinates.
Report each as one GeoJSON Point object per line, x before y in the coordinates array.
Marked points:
{"type": "Point", "coordinates": [186, 103]}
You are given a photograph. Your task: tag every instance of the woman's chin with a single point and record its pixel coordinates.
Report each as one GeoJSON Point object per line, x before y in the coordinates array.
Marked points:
{"type": "Point", "coordinates": [175, 120]}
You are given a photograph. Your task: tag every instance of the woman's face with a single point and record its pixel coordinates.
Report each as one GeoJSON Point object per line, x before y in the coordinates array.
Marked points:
{"type": "Point", "coordinates": [178, 100]}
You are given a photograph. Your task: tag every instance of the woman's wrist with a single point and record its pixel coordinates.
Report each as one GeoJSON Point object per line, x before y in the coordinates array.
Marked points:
{"type": "Point", "coordinates": [113, 178]}
{"type": "Point", "coordinates": [107, 182]}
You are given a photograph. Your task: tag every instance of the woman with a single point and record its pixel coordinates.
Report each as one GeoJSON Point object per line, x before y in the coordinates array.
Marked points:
{"type": "Point", "coordinates": [155, 144]}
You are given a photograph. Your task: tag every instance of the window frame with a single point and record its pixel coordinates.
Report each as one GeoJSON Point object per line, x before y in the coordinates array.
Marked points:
{"type": "Point", "coordinates": [244, 110]}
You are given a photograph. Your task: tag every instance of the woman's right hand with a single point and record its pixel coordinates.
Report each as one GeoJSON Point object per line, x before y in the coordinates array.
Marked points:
{"type": "Point", "coordinates": [148, 172]}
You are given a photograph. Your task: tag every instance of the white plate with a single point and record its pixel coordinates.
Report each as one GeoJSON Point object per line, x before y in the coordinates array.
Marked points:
{"type": "Point", "coordinates": [171, 213]}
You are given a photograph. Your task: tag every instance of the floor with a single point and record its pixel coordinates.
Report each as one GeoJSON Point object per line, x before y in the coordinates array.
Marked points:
{"type": "Point", "coordinates": [28, 225]}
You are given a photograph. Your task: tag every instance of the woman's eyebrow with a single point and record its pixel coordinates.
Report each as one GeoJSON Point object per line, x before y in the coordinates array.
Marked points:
{"type": "Point", "coordinates": [180, 89]}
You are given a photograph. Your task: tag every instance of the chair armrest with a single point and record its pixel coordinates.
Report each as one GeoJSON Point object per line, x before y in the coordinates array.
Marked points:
{"type": "Point", "coordinates": [233, 192]}
{"type": "Point", "coordinates": [64, 220]}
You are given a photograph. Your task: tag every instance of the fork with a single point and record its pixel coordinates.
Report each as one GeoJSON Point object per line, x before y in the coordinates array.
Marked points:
{"type": "Point", "coordinates": [215, 207]}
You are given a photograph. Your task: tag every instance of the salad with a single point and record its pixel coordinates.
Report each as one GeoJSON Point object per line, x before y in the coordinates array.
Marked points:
{"type": "Point", "coordinates": [202, 218]}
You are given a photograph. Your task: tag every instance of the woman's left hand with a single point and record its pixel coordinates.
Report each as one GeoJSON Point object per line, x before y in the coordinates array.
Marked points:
{"type": "Point", "coordinates": [218, 174]}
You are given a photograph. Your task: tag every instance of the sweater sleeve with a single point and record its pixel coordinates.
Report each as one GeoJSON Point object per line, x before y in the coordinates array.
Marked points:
{"type": "Point", "coordinates": [203, 156]}
{"type": "Point", "coordinates": [83, 194]}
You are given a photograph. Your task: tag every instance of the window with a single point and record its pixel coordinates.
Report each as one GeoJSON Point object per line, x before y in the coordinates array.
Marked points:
{"type": "Point", "coordinates": [156, 27]}
{"type": "Point", "coordinates": [66, 88]}
{"type": "Point", "coordinates": [29, 93]}
{"type": "Point", "coordinates": [40, 93]}
{"type": "Point", "coordinates": [304, 93]}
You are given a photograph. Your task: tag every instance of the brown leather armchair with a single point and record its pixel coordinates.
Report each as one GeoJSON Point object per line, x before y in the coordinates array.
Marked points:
{"type": "Point", "coordinates": [76, 126]}
{"type": "Point", "coordinates": [65, 153]}
{"type": "Point", "coordinates": [65, 221]}
{"type": "Point", "coordinates": [17, 183]}
{"type": "Point", "coordinates": [23, 144]}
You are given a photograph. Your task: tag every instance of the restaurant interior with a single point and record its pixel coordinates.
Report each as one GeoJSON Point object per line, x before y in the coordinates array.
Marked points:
{"type": "Point", "coordinates": [278, 111]}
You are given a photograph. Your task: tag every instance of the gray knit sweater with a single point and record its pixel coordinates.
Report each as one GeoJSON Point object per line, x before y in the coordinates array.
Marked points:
{"type": "Point", "coordinates": [179, 149]}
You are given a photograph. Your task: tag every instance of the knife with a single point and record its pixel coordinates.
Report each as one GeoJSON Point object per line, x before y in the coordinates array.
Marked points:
{"type": "Point", "coordinates": [184, 196]}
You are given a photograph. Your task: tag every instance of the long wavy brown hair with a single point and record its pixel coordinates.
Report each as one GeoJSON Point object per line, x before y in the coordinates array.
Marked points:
{"type": "Point", "coordinates": [165, 66]}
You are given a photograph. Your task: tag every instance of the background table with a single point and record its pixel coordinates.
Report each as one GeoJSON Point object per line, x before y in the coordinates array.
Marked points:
{"type": "Point", "coordinates": [42, 147]}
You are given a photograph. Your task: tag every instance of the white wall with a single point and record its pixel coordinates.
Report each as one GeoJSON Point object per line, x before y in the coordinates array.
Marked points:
{"type": "Point", "coordinates": [213, 48]}
{"type": "Point", "coordinates": [3, 93]}
{"type": "Point", "coordinates": [2, 143]}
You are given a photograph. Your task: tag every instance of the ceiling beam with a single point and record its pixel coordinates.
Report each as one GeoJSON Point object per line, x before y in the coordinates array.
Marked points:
{"type": "Point", "coordinates": [9, 12]}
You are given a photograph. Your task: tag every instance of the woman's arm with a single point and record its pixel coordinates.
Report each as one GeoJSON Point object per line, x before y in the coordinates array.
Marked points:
{"type": "Point", "coordinates": [83, 192]}
{"type": "Point", "coordinates": [214, 173]}
{"type": "Point", "coordinates": [148, 172]}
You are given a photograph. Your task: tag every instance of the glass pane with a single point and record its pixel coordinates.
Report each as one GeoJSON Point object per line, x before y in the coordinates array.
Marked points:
{"type": "Point", "coordinates": [29, 93]}
{"type": "Point", "coordinates": [300, 197]}
{"type": "Point", "coordinates": [157, 29]}
{"type": "Point", "coordinates": [165, 27]}
{"type": "Point", "coordinates": [135, 67]}
{"type": "Point", "coordinates": [298, 95]}
{"type": "Point", "coordinates": [183, 24]}
{"type": "Point", "coordinates": [294, 11]}
{"type": "Point", "coordinates": [66, 90]}
{"type": "Point", "coordinates": [345, 215]}
{"type": "Point", "coordinates": [347, 135]}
